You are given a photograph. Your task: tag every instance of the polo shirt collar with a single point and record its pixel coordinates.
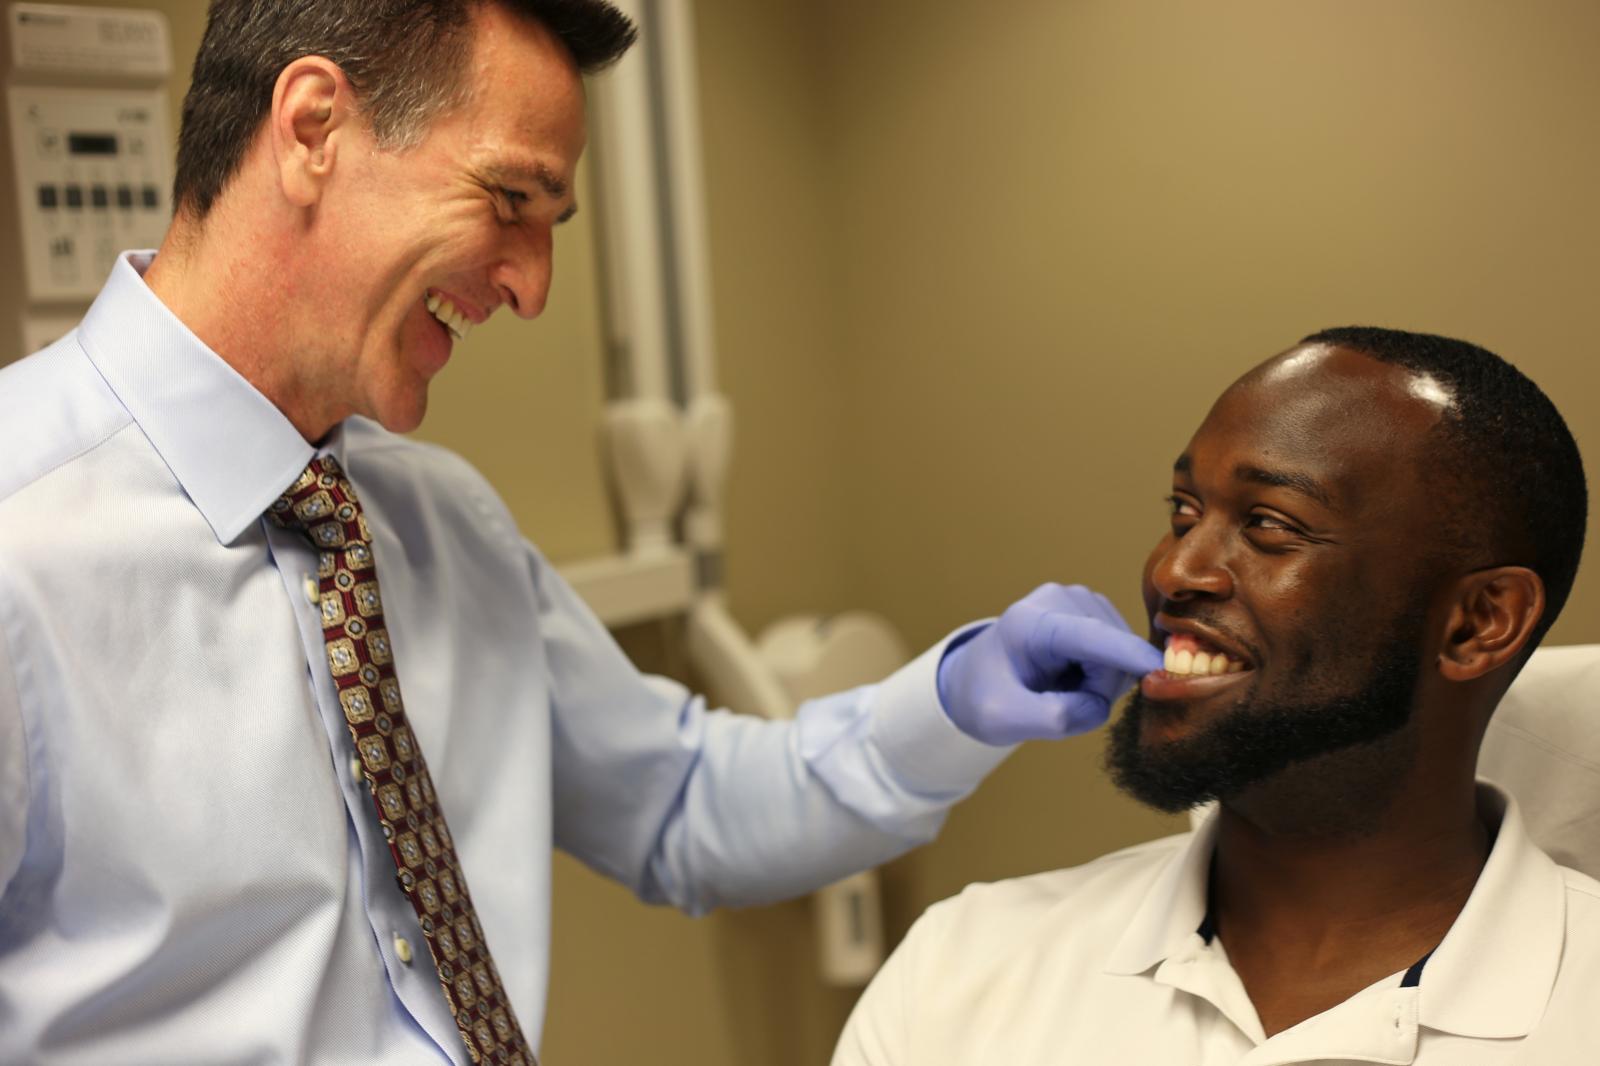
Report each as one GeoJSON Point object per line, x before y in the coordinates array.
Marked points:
{"type": "Point", "coordinates": [1172, 910]}
{"type": "Point", "coordinates": [1490, 977]}
{"type": "Point", "coordinates": [229, 448]}
{"type": "Point", "coordinates": [1492, 974]}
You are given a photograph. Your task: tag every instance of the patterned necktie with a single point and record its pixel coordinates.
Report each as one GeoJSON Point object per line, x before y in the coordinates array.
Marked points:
{"type": "Point", "coordinates": [323, 505]}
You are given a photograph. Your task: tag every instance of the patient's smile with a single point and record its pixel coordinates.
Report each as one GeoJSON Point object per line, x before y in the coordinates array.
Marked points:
{"type": "Point", "coordinates": [1188, 654]}
{"type": "Point", "coordinates": [1192, 668]}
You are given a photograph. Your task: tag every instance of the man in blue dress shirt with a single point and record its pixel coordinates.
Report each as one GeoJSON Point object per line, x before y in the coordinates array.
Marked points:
{"type": "Point", "coordinates": [191, 867]}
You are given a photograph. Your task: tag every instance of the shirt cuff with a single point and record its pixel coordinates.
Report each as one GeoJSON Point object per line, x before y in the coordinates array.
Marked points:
{"type": "Point", "coordinates": [927, 751]}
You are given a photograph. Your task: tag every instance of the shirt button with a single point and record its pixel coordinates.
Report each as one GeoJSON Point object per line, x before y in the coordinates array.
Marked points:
{"type": "Point", "coordinates": [355, 770]}
{"type": "Point", "coordinates": [402, 948]}
{"type": "Point", "coordinates": [312, 589]}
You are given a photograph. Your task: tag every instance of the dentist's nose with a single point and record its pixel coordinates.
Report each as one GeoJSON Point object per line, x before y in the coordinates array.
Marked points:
{"type": "Point", "coordinates": [523, 275]}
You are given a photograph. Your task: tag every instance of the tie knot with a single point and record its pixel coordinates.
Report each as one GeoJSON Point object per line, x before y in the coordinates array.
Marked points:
{"type": "Point", "coordinates": [322, 504]}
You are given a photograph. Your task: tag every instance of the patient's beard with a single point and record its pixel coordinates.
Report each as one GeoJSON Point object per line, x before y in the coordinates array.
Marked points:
{"type": "Point", "coordinates": [1255, 741]}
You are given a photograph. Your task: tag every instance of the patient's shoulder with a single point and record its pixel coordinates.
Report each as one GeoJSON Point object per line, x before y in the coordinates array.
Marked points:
{"type": "Point", "coordinates": [1090, 900]}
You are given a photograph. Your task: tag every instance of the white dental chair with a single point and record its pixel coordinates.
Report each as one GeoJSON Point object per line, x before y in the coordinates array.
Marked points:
{"type": "Point", "coordinates": [1543, 746]}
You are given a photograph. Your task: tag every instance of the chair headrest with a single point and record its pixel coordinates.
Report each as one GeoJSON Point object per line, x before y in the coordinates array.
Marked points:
{"type": "Point", "coordinates": [1543, 746]}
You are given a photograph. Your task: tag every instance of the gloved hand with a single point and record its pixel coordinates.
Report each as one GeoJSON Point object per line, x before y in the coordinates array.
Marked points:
{"type": "Point", "coordinates": [1052, 666]}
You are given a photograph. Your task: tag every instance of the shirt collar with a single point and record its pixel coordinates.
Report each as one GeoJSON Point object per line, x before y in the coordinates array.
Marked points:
{"type": "Point", "coordinates": [1493, 972]}
{"type": "Point", "coordinates": [230, 449]}
{"type": "Point", "coordinates": [1491, 975]}
{"type": "Point", "coordinates": [1172, 910]}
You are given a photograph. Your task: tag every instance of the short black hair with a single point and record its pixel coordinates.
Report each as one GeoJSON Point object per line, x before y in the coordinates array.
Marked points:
{"type": "Point", "coordinates": [405, 59]}
{"type": "Point", "coordinates": [1518, 493]}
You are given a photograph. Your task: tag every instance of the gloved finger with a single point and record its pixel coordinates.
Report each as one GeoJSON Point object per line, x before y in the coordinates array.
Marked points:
{"type": "Point", "coordinates": [1079, 712]}
{"type": "Point", "coordinates": [1061, 639]}
{"type": "Point", "coordinates": [1079, 599]}
{"type": "Point", "coordinates": [1072, 599]}
{"type": "Point", "coordinates": [1106, 682]}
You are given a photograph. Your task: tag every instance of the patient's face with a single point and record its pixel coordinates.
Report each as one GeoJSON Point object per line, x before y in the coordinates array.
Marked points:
{"type": "Point", "coordinates": [1295, 574]}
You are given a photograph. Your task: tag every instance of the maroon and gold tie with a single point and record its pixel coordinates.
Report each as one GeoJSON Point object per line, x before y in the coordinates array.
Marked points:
{"type": "Point", "coordinates": [323, 505]}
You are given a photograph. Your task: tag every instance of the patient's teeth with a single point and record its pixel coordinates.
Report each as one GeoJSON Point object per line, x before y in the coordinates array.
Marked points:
{"type": "Point", "coordinates": [433, 302]}
{"type": "Point", "coordinates": [1234, 668]}
{"type": "Point", "coordinates": [1169, 660]}
{"type": "Point", "coordinates": [1219, 664]}
{"type": "Point", "coordinates": [1201, 663]}
{"type": "Point", "coordinates": [1184, 662]}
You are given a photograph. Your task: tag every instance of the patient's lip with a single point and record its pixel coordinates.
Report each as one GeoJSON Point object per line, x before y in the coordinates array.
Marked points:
{"type": "Point", "coordinates": [1193, 639]}
{"type": "Point", "coordinates": [1162, 686]}
{"type": "Point", "coordinates": [1170, 626]}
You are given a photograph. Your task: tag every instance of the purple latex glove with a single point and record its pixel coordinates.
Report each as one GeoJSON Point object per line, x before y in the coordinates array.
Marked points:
{"type": "Point", "coordinates": [1052, 666]}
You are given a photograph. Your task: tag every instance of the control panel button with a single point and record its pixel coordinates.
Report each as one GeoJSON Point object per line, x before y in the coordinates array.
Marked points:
{"type": "Point", "coordinates": [99, 196]}
{"type": "Point", "coordinates": [125, 196]}
{"type": "Point", "coordinates": [48, 196]}
{"type": "Point", "coordinates": [74, 195]}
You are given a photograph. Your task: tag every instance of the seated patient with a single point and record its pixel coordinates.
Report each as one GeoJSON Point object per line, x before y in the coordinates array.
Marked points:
{"type": "Point", "coordinates": [1370, 533]}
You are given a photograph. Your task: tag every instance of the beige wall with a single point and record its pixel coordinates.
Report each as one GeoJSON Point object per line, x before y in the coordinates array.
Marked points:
{"type": "Point", "coordinates": [978, 277]}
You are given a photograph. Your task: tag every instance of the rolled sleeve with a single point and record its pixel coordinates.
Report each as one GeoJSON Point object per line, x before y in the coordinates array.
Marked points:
{"type": "Point", "coordinates": [889, 752]}
{"type": "Point", "coordinates": [924, 748]}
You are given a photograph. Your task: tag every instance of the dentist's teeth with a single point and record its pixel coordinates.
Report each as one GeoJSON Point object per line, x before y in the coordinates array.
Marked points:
{"type": "Point", "coordinates": [453, 318]}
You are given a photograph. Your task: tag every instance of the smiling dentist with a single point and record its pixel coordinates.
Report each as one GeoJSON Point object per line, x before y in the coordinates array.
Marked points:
{"type": "Point", "coordinates": [291, 715]}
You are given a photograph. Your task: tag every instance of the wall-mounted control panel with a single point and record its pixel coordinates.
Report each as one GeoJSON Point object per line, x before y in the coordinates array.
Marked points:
{"type": "Point", "coordinates": [91, 148]}
{"type": "Point", "coordinates": [92, 177]}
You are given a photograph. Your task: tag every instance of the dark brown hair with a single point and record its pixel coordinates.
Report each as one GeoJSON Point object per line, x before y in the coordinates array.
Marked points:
{"type": "Point", "coordinates": [404, 58]}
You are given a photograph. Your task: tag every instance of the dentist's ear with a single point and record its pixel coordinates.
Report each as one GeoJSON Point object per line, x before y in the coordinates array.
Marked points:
{"type": "Point", "coordinates": [1493, 616]}
{"type": "Point", "coordinates": [312, 104]}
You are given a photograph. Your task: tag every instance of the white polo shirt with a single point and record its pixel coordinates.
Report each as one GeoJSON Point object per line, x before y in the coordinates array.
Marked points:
{"type": "Point", "coordinates": [1106, 964]}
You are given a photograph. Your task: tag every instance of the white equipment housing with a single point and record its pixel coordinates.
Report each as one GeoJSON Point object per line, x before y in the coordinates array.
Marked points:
{"type": "Point", "coordinates": [90, 150]}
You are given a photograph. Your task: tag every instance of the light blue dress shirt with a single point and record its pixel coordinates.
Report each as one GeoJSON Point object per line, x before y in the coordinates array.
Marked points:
{"type": "Point", "coordinates": [192, 872]}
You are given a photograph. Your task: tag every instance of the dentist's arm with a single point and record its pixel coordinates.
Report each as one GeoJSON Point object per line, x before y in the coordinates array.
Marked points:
{"type": "Point", "coordinates": [1051, 667]}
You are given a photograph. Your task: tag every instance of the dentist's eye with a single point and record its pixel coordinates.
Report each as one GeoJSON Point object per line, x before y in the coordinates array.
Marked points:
{"type": "Point", "coordinates": [507, 202]}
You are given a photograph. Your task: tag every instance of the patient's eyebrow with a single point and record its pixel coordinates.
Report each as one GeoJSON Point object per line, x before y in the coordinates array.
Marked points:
{"type": "Point", "coordinates": [1293, 480]}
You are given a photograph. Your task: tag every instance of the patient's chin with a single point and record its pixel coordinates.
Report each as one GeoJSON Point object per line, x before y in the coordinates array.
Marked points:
{"type": "Point", "coordinates": [1271, 748]}
{"type": "Point", "coordinates": [1169, 775]}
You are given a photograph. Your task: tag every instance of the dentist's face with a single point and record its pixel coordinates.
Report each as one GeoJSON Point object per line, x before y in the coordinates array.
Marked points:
{"type": "Point", "coordinates": [437, 236]}
{"type": "Point", "coordinates": [1289, 590]}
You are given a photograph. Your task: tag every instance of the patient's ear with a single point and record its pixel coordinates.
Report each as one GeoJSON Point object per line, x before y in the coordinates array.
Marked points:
{"type": "Point", "coordinates": [1494, 614]}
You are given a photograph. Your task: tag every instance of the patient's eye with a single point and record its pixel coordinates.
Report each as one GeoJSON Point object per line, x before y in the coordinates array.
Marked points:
{"type": "Point", "coordinates": [1184, 513]}
{"type": "Point", "coordinates": [1272, 529]}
